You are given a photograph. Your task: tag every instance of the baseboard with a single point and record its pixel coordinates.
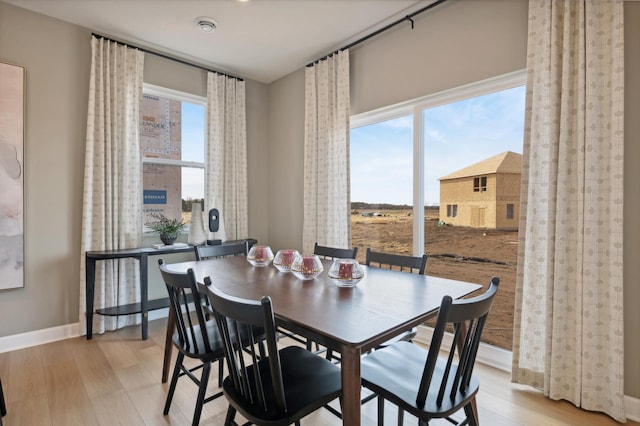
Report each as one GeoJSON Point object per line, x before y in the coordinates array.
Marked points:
{"type": "Point", "coordinates": [501, 359]}
{"type": "Point", "coordinates": [53, 334]}
{"type": "Point", "coordinates": [38, 337]}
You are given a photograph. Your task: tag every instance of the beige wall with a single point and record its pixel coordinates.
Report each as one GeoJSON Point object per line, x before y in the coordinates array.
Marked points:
{"type": "Point", "coordinates": [461, 42]}
{"type": "Point", "coordinates": [57, 58]}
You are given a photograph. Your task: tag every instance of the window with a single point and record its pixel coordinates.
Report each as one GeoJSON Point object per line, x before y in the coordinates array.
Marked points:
{"type": "Point", "coordinates": [510, 211]}
{"type": "Point", "coordinates": [480, 184]}
{"type": "Point", "coordinates": [444, 137]}
{"type": "Point", "coordinates": [172, 143]}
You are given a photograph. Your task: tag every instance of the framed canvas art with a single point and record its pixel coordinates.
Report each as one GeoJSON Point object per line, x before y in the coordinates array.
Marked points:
{"type": "Point", "coordinates": [12, 124]}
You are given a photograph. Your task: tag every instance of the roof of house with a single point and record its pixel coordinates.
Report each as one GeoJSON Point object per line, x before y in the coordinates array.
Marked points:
{"type": "Point", "coordinates": [507, 162]}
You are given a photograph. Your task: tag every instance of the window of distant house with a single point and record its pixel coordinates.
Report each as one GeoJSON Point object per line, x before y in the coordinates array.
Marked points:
{"type": "Point", "coordinates": [480, 184]}
{"type": "Point", "coordinates": [452, 210]}
{"type": "Point", "coordinates": [172, 143]}
{"type": "Point", "coordinates": [510, 211]}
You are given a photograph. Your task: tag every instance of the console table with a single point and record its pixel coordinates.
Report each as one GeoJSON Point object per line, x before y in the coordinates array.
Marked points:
{"type": "Point", "coordinates": [145, 305]}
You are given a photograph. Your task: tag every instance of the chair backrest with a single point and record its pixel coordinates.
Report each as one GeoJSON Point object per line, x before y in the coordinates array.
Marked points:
{"type": "Point", "coordinates": [335, 253]}
{"type": "Point", "coordinates": [232, 315]}
{"type": "Point", "coordinates": [396, 261]}
{"type": "Point", "coordinates": [468, 317]}
{"type": "Point", "coordinates": [189, 316]}
{"type": "Point", "coordinates": [221, 250]}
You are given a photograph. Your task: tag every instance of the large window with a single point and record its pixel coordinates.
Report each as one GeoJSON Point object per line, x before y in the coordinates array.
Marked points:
{"type": "Point", "coordinates": [172, 143]}
{"type": "Point", "coordinates": [462, 150]}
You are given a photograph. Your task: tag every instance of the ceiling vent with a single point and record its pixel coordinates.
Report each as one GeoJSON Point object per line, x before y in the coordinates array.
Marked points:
{"type": "Point", "coordinates": [205, 24]}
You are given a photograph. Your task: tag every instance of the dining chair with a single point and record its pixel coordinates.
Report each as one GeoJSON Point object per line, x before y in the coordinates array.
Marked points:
{"type": "Point", "coordinates": [334, 252]}
{"type": "Point", "coordinates": [221, 250]}
{"type": "Point", "coordinates": [202, 252]}
{"type": "Point", "coordinates": [422, 383]}
{"type": "Point", "coordinates": [327, 252]}
{"type": "Point", "coordinates": [195, 337]}
{"type": "Point", "coordinates": [3, 406]}
{"type": "Point", "coordinates": [413, 264]}
{"type": "Point", "coordinates": [278, 388]}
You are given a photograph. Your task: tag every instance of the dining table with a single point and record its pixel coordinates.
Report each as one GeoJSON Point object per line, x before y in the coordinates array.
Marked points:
{"type": "Point", "coordinates": [349, 320]}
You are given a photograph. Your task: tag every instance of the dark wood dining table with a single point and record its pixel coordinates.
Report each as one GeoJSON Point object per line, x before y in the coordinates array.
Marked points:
{"type": "Point", "coordinates": [348, 320]}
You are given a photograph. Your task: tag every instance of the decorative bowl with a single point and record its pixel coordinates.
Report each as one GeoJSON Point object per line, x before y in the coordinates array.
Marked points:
{"type": "Point", "coordinates": [284, 259]}
{"type": "Point", "coordinates": [306, 267]}
{"type": "Point", "coordinates": [345, 272]}
{"type": "Point", "coordinates": [260, 255]}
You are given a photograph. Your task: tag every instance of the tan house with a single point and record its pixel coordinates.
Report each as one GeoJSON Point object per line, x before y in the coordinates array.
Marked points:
{"type": "Point", "coordinates": [483, 195]}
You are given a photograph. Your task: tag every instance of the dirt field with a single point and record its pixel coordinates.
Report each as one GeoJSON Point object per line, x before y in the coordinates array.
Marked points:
{"type": "Point", "coordinates": [467, 254]}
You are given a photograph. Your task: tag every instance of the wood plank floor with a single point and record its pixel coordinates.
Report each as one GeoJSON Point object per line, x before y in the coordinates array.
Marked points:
{"type": "Point", "coordinates": [114, 379]}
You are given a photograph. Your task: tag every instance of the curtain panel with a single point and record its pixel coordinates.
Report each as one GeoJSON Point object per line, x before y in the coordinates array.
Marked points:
{"type": "Point", "coordinates": [326, 154]}
{"type": "Point", "coordinates": [568, 320]}
{"type": "Point", "coordinates": [112, 199]}
{"type": "Point", "coordinates": [226, 135]}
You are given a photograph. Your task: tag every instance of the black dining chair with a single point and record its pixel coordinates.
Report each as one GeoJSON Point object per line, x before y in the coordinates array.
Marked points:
{"type": "Point", "coordinates": [195, 337]}
{"type": "Point", "coordinates": [3, 406]}
{"type": "Point", "coordinates": [202, 252]}
{"type": "Point", "coordinates": [422, 383]}
{"type": "Point", "coordinates": [326, 252]}
{"type": "Point", "coordinates": [221, 250]}
{"type": "Point", "coordinates": [413, 264]}
{"type": "Point", "coordinates": [279, 388]}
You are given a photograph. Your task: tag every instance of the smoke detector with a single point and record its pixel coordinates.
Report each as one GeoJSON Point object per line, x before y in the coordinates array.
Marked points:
{"type": "Point", "coordinates": [205, 24]}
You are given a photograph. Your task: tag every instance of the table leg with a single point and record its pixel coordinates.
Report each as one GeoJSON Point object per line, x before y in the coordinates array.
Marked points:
{"type": "Point", "coordinates": [168, 346]}
{"type": "Point", "coordinates": [144, 294]}
{"type": "Point", "coordinates": [90, 284]}
{"type": "Point", "coordinates": [351, 385]}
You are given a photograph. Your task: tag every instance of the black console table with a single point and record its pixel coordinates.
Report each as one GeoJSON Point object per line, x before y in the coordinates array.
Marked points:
{"type": "Point", "coordinates": [145, 305]}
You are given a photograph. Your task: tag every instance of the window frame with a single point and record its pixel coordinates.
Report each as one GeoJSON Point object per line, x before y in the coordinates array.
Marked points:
{"type": "Point", "coordinates": [164, 92]}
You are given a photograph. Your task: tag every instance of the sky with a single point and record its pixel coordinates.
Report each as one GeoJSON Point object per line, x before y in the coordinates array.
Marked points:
{"type": "Point", "coordinates": [457, 135]}
{"type": "Point", "coordinates": [192, 149]}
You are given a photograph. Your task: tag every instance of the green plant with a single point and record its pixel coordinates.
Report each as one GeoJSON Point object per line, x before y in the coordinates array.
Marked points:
{"type": "Point", "coordinates": [165, 226]}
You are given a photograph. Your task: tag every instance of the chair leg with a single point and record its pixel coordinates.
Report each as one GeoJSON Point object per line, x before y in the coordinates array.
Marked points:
{"type": "Point", "coordinates": [231, 414]}
{"type": "Point", "coordinates": [174, 381]}
{"type": "Point", "coordinates": [471, 413]}
{"type": "Point", "coordinates": [380, 411]}
{"type": "Point", "coordinates": [204, 380]}
{"type": "Point", "coordinates": [220, 371]}
{"type": "Point", "coordinates": [3, 407]}
{"type": "Point", "coordinates": [400, 416]}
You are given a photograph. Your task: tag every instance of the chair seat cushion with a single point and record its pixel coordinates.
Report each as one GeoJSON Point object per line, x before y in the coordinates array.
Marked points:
{"type": "Point", "coordinates": [395, 373]}
{"type": "Point", "coordinates": [309, 382]}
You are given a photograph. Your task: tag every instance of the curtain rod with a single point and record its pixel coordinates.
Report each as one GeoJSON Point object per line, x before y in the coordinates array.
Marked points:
{"type": "Point", "coordinates": [171, 58]}
{"type": "Point", "coordinates": [381, 30]}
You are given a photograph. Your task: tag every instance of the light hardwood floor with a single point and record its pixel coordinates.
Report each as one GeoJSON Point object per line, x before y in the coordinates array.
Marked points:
{"type": "Point", "coordinates": [114, 379]}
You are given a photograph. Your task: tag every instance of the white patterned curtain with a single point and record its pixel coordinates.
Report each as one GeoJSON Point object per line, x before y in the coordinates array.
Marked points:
{"type": "Point", "coordinates": [326, 154]}
{"type": "Point", "coordinates": [112, 201]}
{"type": "Point", "coordinates": [226, 156]}
{"type": "Point", "coordinates": [568, 322]}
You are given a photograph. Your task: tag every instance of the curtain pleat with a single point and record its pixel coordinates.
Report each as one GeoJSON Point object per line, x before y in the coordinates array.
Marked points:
{"type": "Point", "coordinates": [227, 185]}
{"type": "Point", "coordinates": [326, 154]}
{"type": "Point", "coordinates": [112, 198]}
{"type": "Point", "coordinates": [568, 321]}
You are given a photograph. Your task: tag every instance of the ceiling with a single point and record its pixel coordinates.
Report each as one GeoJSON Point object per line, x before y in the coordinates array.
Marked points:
{"type": "Point", "coordinates": [261, 40]}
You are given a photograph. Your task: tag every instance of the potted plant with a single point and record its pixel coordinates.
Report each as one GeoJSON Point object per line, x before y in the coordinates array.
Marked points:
{"type": "Point", "coordinates": [167, 228]}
